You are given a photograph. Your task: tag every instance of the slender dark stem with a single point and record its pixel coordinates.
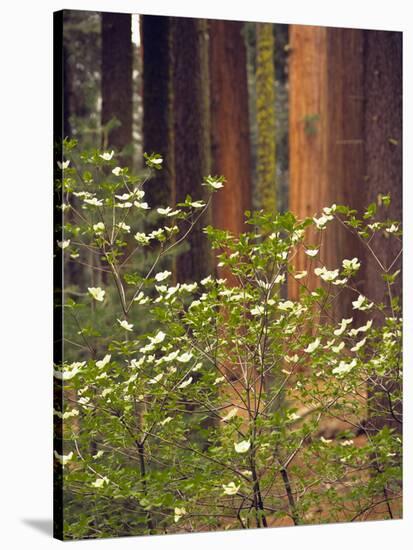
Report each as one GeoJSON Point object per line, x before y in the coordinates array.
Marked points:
{"type": "Point", "coordinates": [291, 501]}
{"type": "Point", "coordinates": [141, 453]}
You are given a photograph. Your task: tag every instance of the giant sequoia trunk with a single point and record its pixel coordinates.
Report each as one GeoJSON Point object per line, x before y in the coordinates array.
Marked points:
{"type": "Point", "coordinates": [190, 83]}
{"type": "Point", "coordinates": [157, 108]}
{"type": "Point", "coordinates": [117, 79]}
{"type": "Point", "coordinates": [229, 125]}
{"type": "Point", "coordinates": [326, 138]}
{"type": "Point", "coordinates": [383, 158]}
{"type": "Point", "coordinates": [345, 147]}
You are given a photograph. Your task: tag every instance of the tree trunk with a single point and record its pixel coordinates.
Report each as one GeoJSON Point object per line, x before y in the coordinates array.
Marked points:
{"type": "Point", "coordinates": [117, 81]}
{"type": "Point", "coordinates": [383, 131]}
{"type": "Point", "coordinates": [230, 138]}
{"type": "Point", "coordinates": [265, 82]}
{"type": "Point", "coordinates": [157, 108]}
{"type": "Point", "coordinates": [326, 139]}
{"type": "Point", "coordinates": [190, 83]}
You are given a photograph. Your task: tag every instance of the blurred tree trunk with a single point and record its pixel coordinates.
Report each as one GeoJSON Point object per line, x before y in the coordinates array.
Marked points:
{"type": "Point", "coordinates": [383, 153]}
{"type": "Point", "coordinates": [117, 81]}
{"type": "Point", "coordinates": [265, 82]}
{"type": "Point", "coordinates": [230, 138]}
{"type": "Point", "coordinates": [326, 140]}
{"type": "Point", "coordinates": [157, 107]}
{"type": "Point", "coordinates": [190, 84]}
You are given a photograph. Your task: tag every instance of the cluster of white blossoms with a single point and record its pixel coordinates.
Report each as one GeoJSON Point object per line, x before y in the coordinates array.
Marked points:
{"type": "Point", "coordinates": [167, 294]}
{"type": "Point", "coordinates": [322, 221]}
{"type": "Point", "coordinates": [69, 371]}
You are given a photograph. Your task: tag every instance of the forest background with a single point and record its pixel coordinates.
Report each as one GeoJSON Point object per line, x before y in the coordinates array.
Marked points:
{"type": "Point", "coordinates": [33, 333]}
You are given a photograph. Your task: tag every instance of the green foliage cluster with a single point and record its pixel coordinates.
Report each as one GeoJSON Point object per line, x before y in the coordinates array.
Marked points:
{"type": "Point", "coordinates": [201, 406]}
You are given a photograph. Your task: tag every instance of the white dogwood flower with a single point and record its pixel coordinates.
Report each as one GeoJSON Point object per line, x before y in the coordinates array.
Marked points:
{"type": "Point", "coordinates": [63, 244]}
{"type": "Point", "coordinates": [326, 275]}
{"type": "Point", "coordinates": [242, 446]}
{"type": "Point", "coordinates": [103, 362]}
{"type": "Point", "coordinates": [142, 238]}
{"type": "Point", "coordinates": [178, 513]}
{"type": "Point", "coordinates": [125, 325]}
{"type": "Point", "coordinates": [344, 367]}
{"type": "Point", "coordinates": [94, 201]}
{"type": "Point", "coordinates": [97, 293]}
{"type": "Point", "coordinates": [392, 229]}
{"type": "Point", "coordinates": [185, 383]}
{"type": "Point", "coordinates": [312, 252]}
{"type": "Point", "coordinates": [231, 488]}
{"type": "Point", "coordinates": [233, 412]}
{"type": "Point", "coordinates": [185, 357]}
{"type": "Point", "coordinates": [337, 349]}
{"type": "Point", "coordinates": [161, 276]}
{"type": "Point", "coordinates": [141, 205]}
{"type": "Point", "coordinates": [100, 482]}
{"type": "Point", "coordinates": [63, 459]}
{"type": "Point", "coordinates": [312, 346]}
{"type": "Point", "coordinates": [63, 165]}
{"type": "Point", "coordinates": [99, 227]}
{"type": "Point", "coordinates": [156, 379]}
{"type": "Point", "coordinates": [322, 221]}
{"type": "Point", "coordinates": [107, 155]}
{"type": "Point", "coordinates": [158, 338]}
{"type": "Point", "coordinates": [69, 371]}
{"type": "Point", "coordinates": [343, 325]}
{"type": "Point", "coordinates": [257, 310]}
{"type": "Point", "coordinates": [361, 304]}
{"type": "Point", "coordinates": [359, 345]}
{"type": "Point", "coordinates": [353, 264]}
{"type": "Point", "coordinates": [124, 227]}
